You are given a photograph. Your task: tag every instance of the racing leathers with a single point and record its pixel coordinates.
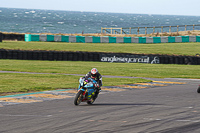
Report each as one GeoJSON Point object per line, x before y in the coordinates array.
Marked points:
{"type": "Point", "coordinates": [97, 78]}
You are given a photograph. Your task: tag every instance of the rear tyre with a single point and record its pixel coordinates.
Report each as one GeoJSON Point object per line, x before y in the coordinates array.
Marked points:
{"type": "Point", "coordinates": [91, 101]}
{"type": "Point", "coordinates": [198, 90]}
{"type": "Point", "coordinates": [93, 98]}
{"type": "Point", "coordinates": [78, 98]}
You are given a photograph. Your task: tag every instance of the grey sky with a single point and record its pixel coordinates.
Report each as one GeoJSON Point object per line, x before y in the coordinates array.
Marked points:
{"type": "Point", "coordinates": [165, 7]}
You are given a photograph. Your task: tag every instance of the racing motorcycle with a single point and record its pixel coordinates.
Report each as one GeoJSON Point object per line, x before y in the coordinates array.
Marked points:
{"type": "Point", "coordinates": [198, 90]}
{"type": "Point", "coordinates": [86, 91]}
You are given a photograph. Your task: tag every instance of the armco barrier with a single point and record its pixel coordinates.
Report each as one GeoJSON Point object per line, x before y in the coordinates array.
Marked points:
{"type": "Point", "coordinates": [108, 39]}
{"type": "Point", "coordinates": [97, 56]}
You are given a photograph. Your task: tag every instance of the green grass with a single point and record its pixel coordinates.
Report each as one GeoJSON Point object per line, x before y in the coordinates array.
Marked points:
{"type": "Point", "coordinates": [162, 48]}
{"type": "Point", "coordinates": [17, 82]}
{"type": "Point", "coordinates": [40, 82]}
{"type": "Point", "coordinates": [115, 69]}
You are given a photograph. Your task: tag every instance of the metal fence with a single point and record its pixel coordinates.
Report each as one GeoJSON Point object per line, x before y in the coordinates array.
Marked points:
{"type": "Point", "coordinates": [149, 30]}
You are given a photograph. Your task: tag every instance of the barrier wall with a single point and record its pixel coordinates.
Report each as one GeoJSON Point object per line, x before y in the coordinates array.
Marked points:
{"type": "Point", "coordinates": [108, 39]}
{"type": "Point", "coordinates": [97, 56]}
{"type": "Point", "coordinates": [1, 36]}
{"type": "Point", "coordinates": [18, 37]}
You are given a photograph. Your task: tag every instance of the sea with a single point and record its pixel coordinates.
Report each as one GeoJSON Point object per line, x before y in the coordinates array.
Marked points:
{"type": "Point", "coordinates": [70, 22]}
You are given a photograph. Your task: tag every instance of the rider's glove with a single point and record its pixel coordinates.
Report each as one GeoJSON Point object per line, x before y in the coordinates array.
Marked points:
{"type": "Point", "coordinates": [97, 85]}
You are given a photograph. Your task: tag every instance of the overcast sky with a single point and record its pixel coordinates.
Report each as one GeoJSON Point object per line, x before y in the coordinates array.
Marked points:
{"type": "Point", "coordinates": [165, 7]}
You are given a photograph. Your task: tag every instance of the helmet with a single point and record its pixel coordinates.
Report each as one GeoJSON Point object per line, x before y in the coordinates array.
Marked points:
{"type": "Point", "coordinates": [94, 72]}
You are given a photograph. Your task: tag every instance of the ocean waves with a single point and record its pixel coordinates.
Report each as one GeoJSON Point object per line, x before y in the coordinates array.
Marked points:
{"type": "Point", "coordinates": [50, 21]}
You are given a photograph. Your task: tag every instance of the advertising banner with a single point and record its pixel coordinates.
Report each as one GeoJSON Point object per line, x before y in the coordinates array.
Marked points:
{"type": "Point", "coordinates": [130, 58]}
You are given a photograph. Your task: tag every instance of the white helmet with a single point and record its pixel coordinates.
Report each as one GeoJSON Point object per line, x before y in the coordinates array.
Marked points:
{"type": "Point", "coordinates": [94, 72]}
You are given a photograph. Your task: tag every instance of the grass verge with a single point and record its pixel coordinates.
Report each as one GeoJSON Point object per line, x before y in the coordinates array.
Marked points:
{"type": "Point", "coordinates": [161, 48]}
{"type": "Point", "coordinates": [22, 82]}
{"type": "Point", "coordinates": [105, 68]}
{"type": "Point", "coordinates": [19, 82]}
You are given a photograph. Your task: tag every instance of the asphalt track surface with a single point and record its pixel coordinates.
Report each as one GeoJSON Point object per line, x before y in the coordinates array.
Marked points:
{"type": "Point", "coordinates": [163, 109]}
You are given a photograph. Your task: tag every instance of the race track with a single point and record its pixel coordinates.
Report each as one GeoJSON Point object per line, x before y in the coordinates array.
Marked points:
{"type": "Point", "coordinates": [161, 109]}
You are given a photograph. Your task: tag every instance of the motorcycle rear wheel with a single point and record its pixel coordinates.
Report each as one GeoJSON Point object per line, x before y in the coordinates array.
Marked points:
{"type": "Point", "coordinates": [198, 90]}
{"type": "Point", "coordinates": [78, 98]}
{"type": "Point", "coordinates": [91, 101]}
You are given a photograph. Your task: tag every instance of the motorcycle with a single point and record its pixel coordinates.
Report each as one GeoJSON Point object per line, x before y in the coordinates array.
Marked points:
{"type": "Point", "coordinates": [198, 90]}
{"type": "Point", "coordinates": [86, 91]}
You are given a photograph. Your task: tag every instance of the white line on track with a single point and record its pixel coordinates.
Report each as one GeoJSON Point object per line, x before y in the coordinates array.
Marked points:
{"type": "Point", "coordinates": [183, 79]}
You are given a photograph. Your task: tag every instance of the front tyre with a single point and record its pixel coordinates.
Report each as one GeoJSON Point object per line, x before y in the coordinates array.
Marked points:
{"type": "Point", "coordinates": [198, 90]}
{"type": "Point", "coordinates": [78, 98]}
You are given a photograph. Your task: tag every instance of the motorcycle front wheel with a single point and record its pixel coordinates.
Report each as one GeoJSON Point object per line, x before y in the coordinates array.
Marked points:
{"type": "Point", "coordinates": [78, 98]}
{"type": "Point", "coordinates": [198, 90]}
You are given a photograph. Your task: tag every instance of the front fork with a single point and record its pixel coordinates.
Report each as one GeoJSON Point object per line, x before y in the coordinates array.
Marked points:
{"type": "Point", "coordinates": [83, 90]}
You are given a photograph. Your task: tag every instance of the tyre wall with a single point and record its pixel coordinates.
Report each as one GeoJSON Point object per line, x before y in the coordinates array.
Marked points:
{"type": "Point", "coordinates": [100, 57]}
{"type": "Point", "coordinates": [17, 37]}
{"type": "Point", "coordinates": [1, 36]}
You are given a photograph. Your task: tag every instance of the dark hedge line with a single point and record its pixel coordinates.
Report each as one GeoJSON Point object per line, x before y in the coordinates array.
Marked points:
{"type": "Point", "coordinates": [87, 56]}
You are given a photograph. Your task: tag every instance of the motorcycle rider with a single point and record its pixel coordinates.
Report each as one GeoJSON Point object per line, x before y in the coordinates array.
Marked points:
{"type": "Point", "coordinates": [94, 73]}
